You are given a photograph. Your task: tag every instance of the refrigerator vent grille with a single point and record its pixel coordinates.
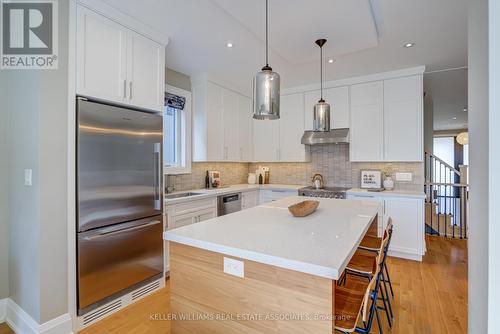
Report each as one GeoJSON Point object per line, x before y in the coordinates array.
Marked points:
{"type": "Point", "coordinates": [100, 313]}
{"type": "Point", "coordinates": [145, 290]}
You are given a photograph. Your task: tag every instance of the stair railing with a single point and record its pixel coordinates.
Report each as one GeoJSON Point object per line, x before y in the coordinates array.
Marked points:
{"type": "Point", "coordinates": [446, 199]}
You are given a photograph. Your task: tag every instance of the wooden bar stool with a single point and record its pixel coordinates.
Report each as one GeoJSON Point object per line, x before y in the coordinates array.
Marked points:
{"type": "Point", "coordinates": [352, 300]}
{"type": "Point", "coordinates": [372, 244]}
{"type": "Point", "coordinates": [363, 263]}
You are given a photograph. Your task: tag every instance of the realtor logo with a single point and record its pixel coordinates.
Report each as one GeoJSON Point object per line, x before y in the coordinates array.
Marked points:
{"type": "Point", "coordinates": [29, 34]}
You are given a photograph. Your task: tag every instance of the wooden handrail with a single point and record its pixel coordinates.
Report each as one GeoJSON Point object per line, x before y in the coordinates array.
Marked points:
{"type": "Point", "coordinates": [443, 162]}
{"type": "Point", "coordinates": [446, 184]}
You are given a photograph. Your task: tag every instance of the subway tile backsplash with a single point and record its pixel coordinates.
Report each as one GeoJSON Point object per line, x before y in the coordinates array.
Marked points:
{"type": "Point", "coordinates": [332, 161]}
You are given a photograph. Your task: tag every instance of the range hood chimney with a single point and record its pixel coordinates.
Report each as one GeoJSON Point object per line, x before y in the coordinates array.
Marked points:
{"type": "Point", "coordinates": [321, 133]}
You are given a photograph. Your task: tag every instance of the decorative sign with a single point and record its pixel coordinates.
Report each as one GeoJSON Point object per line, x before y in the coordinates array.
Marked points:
{"type": "Point", "coordinates": [371, 179]}
{"type": "Point", "coordinates": [174, 101]}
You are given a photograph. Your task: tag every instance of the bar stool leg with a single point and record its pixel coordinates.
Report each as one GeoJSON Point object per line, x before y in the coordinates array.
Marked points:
{"type": "Point", "coordinates": [387, 295]}
{"type": "Point", "coordinates": [383, 295]}
{"type": "Point", "coordinates": [389, 279]}
{"type": "Point", "coordinates": [378, 321]}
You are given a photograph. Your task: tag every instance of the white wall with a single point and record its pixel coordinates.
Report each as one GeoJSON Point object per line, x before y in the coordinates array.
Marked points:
{"type": "Point", "coordinates": [494, 180]}
{"type": "Point", "coordinates": [479, 146]}
{"type": "Point", "coordinates": [4, 213]}
{"type": "Point", "coordinates": [428, 123]}
{"type": "Point", "coordinates": [35, 103]}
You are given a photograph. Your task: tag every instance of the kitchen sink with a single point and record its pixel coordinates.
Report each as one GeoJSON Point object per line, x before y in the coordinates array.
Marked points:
{"type": "Point", "coordinates": [180, 195]}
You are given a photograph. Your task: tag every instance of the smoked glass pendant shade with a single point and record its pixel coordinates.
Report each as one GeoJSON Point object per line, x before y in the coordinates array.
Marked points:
{"type": "Point", "coordinates": [266, 93]}
{"type": "Point", "coordinates": [321, 117]}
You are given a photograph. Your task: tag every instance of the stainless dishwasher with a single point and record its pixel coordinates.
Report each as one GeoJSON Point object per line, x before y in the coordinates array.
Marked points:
{"type": "Point", "coordinates": [228, 204]}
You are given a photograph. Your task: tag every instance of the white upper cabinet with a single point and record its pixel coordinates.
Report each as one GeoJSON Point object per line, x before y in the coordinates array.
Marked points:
{"type": "Point", "coordinates": [291, 128]}
{"type": "Point", "coordinates": [367, 122]}
{"type": "Point", "coordinates": [117, 64]}
{"type": "Point", "coordinates": [245, 128]}
{"type": "Point", "coordinates": [230, 119]}
{"type": "Point", "coordinates": [403, 119]}
{"type": "Point", "coordinates": [214, 123]}
{"type": "Point", "coordinates": [266, 144]}
{"type": "Point", "coordinates": [279, 140]}
{"type": "Point", "coordinates": [222, 128]}
{"type": "Point", "coordinates": [101, 57]}
{"type": "Point", "coordinates": [146, 74]}
{"type": "Point", "coordinates": [338, 98]}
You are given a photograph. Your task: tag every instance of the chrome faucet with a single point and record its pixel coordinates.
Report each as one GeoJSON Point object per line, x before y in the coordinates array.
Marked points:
{"type": "Point", "coordinates": [170, 186]}
{"type": "Point", "coordinates": [317, 181]}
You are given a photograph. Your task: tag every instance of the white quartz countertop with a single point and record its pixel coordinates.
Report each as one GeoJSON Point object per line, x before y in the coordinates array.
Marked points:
{"type": "Point", "coordinates": [204, 193]}
{"type": "Point", "coordinates": [386, 193]}
{"type": "Point", "coordinates": [320, 244]}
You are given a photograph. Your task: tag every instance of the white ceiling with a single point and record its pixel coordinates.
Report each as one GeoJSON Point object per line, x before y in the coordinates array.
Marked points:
{"type": "Point", "coordinates": [364, 37]}
{"type": "Point", "coordinates": [449, 94]}
{"type": "Point", "coordinates": [348, 25]}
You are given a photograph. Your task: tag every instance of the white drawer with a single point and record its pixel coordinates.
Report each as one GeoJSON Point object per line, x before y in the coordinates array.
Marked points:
{"type": "Point", "coordinates": [191, 206]}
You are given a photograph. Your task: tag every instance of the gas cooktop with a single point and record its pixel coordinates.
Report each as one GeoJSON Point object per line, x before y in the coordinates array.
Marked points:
{"type": "Point", "coordinates": [326, 192]}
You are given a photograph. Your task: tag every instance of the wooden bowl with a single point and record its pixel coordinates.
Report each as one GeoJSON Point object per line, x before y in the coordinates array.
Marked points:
{"type": "Point", "coordinates": [303, 209]}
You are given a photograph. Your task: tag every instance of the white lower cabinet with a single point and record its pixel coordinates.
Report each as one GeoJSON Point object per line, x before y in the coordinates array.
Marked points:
{"type": "Point", "coordinates": [408, 238]}
{"type": "Point", "coordinates": [178, 215]}
{"type": "Point", "coordinates": [249, 199]}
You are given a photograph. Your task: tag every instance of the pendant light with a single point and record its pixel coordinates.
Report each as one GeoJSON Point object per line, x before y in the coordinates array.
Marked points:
{"type": "Point", "coordinates": [266, 87]}
{"type": "Point", "coordinates": [321, 118]}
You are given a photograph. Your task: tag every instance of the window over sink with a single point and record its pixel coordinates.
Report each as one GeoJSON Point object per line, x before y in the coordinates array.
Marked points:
{"type": "Point", "coordinates": [177, 131]}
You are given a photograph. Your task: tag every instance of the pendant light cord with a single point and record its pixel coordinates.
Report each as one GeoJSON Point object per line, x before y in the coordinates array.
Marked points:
{"type": "Point", "coordinates": [267, 42]}
{"type": "Point", "coordinates": [321, 69]}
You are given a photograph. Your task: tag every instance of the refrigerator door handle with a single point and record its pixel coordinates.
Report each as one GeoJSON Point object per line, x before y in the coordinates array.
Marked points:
{"type": "Point", "coordinates": [158, 171]}
{"type": "Point", "coordinates": [126, 229]}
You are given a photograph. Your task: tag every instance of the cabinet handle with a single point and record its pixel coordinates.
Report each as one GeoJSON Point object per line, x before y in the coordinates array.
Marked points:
{"type": "Point", "coordinates": [124, 89]}
{"type": "Point", "coordinates": [130, 89]}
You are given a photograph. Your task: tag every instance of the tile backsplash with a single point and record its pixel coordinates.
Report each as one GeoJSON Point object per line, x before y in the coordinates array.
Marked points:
{"type": "Point", "coordinates": [332, 161]}
{"type": "Point", "coordinates": [231, 173]}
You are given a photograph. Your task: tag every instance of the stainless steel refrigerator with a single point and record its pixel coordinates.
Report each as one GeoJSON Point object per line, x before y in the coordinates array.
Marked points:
{"type": "Point", "coordinates": [119, 201]}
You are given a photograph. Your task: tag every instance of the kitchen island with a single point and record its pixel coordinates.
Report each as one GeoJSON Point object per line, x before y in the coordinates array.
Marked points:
{"type": "Point", "coordinates": [262, 270]}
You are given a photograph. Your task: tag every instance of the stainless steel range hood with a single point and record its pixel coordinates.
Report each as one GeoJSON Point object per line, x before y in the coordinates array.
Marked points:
{"type": "Point", "coordinates": [335, 136]}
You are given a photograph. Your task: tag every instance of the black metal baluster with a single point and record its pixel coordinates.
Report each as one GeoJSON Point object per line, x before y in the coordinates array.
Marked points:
{"type": "Point", "coordinates": [454, 212]}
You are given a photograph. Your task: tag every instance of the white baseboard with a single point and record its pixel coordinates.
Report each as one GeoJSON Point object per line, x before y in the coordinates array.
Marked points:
{"type": "Point", "coordinates": [3, 309]}
{"type": "Point", "coordinates": [405, 255]}
{"type": "Point", "coordinates": [22, 323]}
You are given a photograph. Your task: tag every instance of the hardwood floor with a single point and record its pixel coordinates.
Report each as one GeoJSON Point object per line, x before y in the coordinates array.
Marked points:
{"type": "Point", "coordinates": [430, 297]}
{"type": "Point", "coordinates": [5, 329]}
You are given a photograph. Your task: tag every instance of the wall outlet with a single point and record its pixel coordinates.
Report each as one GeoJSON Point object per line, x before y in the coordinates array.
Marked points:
{"type": "Point", "coordinates": [404, 177]}
{"type": "Point", "coordinates": [234, 267]}
{"type": "Point", "coordinates": [28, 177]}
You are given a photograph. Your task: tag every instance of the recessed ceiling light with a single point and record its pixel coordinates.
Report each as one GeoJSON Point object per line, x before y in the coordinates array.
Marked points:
{"type": "Point", "coordinates": [229, 45]}
{"type": "Point", "coordinates": [465, 109]}
{"type": "Point", "coordinates": [409, 45]}
{"type": "Point", "coordinates": [331, 60]}
{"type": "Point", "coordinates": [454, 118]}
